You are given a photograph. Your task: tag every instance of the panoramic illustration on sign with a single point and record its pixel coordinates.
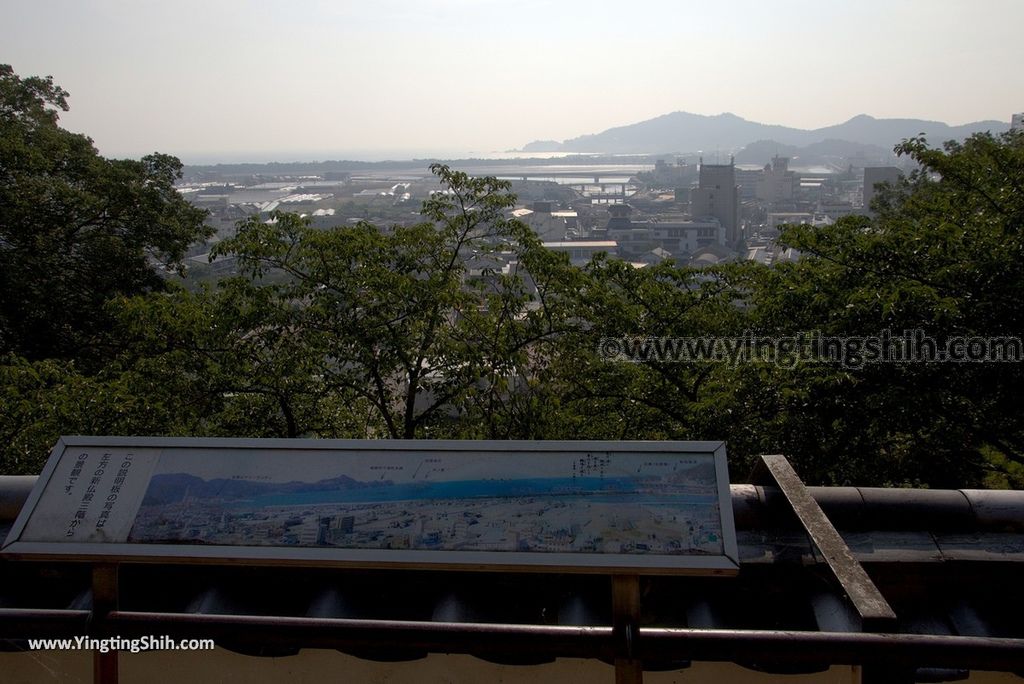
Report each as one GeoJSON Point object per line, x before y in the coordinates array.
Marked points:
{"type": "Point", "coordinates": [597, 499]}
{"type": "Point", "coordinates": [588, 502]}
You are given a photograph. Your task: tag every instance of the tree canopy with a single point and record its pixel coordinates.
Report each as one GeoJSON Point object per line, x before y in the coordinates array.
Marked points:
{"type": "Point", "coordinates": [76, 228]}
{"type": "Point", "coordinates": [943, 257]}
{"type": "Point", "coordinates": [464, 326]}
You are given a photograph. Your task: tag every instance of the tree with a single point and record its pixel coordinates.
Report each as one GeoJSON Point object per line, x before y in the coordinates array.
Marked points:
{"type": "Point", "coordinates": [614, 302]}
{"type": "Point", "coordinates": [234, 362]}
{"type": "Point", "coordinates": [424, 323]}
{"type": "Point", "coordinates": [76, 228]}
{"type": "Point", "coordinates": [464, 326]}
{"type": "Point", "coordinates": [943, 257]}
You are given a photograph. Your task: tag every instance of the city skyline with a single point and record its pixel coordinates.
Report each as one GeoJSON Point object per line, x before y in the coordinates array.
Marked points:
{"type": "Point", "coordinates": [230, 81]}
{"type": "Point", "coordinates": [596, 502]}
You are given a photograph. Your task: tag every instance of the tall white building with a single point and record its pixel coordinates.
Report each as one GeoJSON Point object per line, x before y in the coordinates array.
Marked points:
{"type": "Point", "coordinates": [1017, 122]}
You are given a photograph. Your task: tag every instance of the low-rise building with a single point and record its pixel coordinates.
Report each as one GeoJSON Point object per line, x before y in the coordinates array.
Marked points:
{"type": "Point", "coordinates": [582, 251]}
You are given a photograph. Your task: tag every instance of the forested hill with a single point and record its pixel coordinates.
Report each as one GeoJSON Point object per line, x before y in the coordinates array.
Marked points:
{"type": "Point", "coordinates": [686, 132]}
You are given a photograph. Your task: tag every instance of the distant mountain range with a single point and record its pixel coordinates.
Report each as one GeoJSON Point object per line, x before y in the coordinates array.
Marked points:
{"type": "Point", "coordinates": [681, 132]}
{"type": "Point", "coordinates": [173, 487]}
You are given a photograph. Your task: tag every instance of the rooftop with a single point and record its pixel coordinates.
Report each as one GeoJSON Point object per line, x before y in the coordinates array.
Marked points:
{"type": "Point", "coordinates": [583, 244]}
{"type": "Point", "coordinates": [948, 562]}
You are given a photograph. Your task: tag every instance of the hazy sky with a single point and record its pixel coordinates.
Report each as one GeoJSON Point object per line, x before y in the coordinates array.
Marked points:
{"type": "Point", "coordinates": [316, 79]}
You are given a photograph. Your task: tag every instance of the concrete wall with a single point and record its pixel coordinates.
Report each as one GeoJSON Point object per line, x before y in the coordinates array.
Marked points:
{"type": "Point", "coordinates": [315, 665]}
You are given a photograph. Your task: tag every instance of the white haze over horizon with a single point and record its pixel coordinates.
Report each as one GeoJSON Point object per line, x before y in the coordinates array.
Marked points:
{"type": "Point", "coordinates": [245, 81]}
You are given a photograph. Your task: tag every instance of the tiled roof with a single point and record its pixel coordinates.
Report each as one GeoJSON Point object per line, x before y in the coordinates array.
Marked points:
{"type": "Point", "coordinates": [948, 562]}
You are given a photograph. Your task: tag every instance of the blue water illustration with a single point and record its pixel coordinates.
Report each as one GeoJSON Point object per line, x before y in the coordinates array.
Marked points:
{"type": "Point", "coordinates": [602, 490]}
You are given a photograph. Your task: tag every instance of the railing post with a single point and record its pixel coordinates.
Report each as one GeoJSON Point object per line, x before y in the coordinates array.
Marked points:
{"type": "Point", "coordinates": [626, 628]}
{"type": "Point", "coordinates": [104, 602]}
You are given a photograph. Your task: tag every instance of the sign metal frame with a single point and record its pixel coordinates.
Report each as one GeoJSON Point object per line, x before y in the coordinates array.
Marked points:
{"type": "Point", "coordinates": [338, 557]}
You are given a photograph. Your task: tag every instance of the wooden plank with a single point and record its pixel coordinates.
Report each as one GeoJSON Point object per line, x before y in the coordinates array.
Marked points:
{"type": "Point", "coordinates": [874, 610]}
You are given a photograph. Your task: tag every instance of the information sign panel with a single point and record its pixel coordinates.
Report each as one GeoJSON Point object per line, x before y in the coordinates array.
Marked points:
{"type": "Point", "coordinates": [646, 507]}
